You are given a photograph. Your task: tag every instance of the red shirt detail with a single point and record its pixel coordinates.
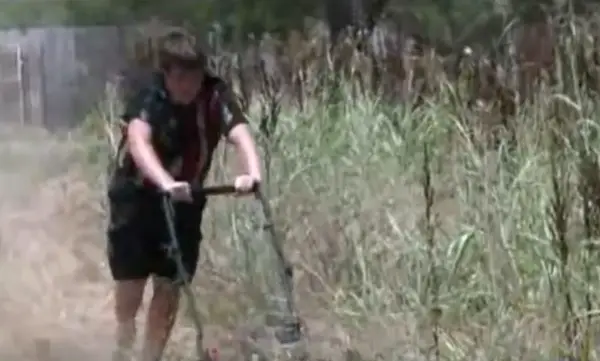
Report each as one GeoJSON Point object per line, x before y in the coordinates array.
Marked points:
{"type": "Point", "coordinates": [191, 152]}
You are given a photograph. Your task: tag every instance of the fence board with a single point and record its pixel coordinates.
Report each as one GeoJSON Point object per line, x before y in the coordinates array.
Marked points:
{"type": "Point", "coordinates": [10, 84]}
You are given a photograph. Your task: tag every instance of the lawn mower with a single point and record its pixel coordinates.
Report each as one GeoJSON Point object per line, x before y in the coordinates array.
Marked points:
{"type": "Point", "coordinates": [282, 318]}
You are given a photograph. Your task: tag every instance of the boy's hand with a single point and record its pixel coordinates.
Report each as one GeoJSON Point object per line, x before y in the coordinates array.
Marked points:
{"type": "Point", "coordinates": [245, 183]}
{"type": "Point", "coordinates": [179, 191]}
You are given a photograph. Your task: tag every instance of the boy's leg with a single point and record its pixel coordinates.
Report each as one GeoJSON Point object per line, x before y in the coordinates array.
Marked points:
{"type": "Point", "coordinates": [128, 298]}
{"type": "Point", "coordinates": [161, 318]}
{"type": "Point", "coordinates": [129, 265]}
{"type": "Point", "coordinates": [167, 283]}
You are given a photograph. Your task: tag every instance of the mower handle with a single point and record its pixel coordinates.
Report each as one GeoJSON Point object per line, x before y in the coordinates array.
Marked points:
{"type": "Point", "coordinates": [218, 190]}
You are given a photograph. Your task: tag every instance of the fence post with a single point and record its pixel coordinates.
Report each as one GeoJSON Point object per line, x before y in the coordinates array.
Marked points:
{"type": "Point", "coordinates": [42, 85]}
{"type": "Point", "coordinates": [21, 82]}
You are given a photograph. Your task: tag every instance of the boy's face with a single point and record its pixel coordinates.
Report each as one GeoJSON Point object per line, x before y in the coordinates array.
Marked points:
{"type": "Point", "coordinates": [183, 84]}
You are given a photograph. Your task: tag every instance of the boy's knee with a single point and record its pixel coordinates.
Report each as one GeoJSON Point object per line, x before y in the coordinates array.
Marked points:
{"type": "Point", "coordinates": [128, 299]}
{"type": "Point", "coordinates": [166, 291]}
{"type": "Point", "coordinates": [164, 304]}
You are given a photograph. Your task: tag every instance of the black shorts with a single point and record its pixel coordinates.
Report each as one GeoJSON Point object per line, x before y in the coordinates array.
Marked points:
{"type": "Point", "coordinates": [138, 238]}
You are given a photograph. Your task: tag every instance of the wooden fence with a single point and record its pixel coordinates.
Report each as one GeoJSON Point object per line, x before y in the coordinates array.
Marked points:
{"type": "Point", "coordinates": [54, 77]}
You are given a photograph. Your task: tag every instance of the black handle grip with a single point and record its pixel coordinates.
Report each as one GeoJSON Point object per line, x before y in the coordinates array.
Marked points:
{"type": "Point", "coordinates": [213, 190]}
{"type": "Point", "coordinates": [217, 190]}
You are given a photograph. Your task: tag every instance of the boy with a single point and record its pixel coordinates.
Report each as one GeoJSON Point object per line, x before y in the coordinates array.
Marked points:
{"type": "Point", "coordinates": [172, 128]}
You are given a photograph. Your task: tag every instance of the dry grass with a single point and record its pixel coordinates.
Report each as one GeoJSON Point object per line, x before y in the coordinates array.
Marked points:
{"type": "Point", "coordinates": [417, 232]}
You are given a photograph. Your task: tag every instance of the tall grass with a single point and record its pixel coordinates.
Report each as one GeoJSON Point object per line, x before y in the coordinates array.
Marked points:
{"type": "Point", "coordinates": [404, 225]}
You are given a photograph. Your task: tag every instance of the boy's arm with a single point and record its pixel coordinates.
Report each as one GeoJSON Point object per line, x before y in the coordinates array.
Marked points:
{"type": "Point", "coordinates": [236, 130]}
{"type": "Point", "coordinates": [140, 115]}
{"type": "Point", "coordinates": [242, 140]}
{"type": "Point", "coordinates": [139, 135]}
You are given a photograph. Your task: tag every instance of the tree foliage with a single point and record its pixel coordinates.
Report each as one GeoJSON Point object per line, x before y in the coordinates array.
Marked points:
{"type": "Point", "coordinates": [444, 20]}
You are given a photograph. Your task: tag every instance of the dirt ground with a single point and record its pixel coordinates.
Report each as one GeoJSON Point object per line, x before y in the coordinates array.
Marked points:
{"type": "Point", "coordinates": [55, 301]}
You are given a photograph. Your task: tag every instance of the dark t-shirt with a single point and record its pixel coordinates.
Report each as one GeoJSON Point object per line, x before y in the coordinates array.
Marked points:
{"type": "Point", "coordinates": [184, 136]}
